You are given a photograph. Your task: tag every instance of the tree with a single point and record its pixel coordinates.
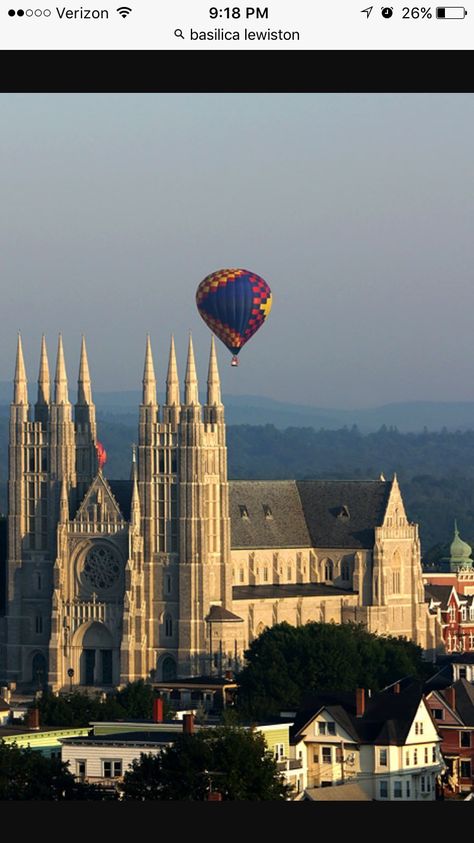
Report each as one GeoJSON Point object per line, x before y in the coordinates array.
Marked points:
{"type": "Point", "coordinates": [80, 709]}
{"type": "Point", "coordinates": [286, 662]}
{"type": "Point", "coordinates": [27, 774]}
{"type": "Point", "coordinates": [233, 760]}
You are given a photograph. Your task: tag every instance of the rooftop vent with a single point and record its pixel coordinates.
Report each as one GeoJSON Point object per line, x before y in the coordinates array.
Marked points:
{"type": "Point", "coordinates": [244, 513]}
{"type": "Point", "coordinates": [267, 512]}
{"type": "Point", "coordinates": [343, 512]}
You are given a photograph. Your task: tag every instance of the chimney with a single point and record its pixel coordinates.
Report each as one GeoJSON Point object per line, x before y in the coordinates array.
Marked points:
{"type": "Point", "coordinates": [188, 724]}
{"type": "Point", "coordinates": [396, 688]}
{"type": "Point", "coordinates": [229, 675]}
{"type": "Point", "coordinates": [158, 710]}
{"type": "Point", "coordinates": [33, 719]}
{"type": "Point", "coordinates": [360, 702]}
{"type": "Point", "coordinates": [450, 696]}
{"type": "Point", "coordinates": [214, 796]}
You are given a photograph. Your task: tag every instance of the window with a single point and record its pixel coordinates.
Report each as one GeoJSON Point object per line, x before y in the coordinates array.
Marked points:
{"type": "Point", "coordinates": [407, 759]}
{"type": "Point", "coordinates": [415, 756]}
{"type": "Point", "coordinates": [315, 758]}
{"type": "Point", "coordinates": [433, 755]}
{"type": "Point", "coordinates": [463, 673]}
{"type": "Point", "coordinates": [383, 757]}
{"type": "Point", "coordinates": [244, 513]}
{"type": "Point", "coordinates": [437, 713]}
{"type": "Point", "coordinates": [407, 788]}
{"type": "Point", "coordinates": [168, 626]}
{"type": "Point", "coordinates": [38, 581]}
{"type": "Point", "coordinates": [383, 786]}
{"type": "Point", "coordinates": [331, 728]}
{"type": "Point", "coordinates": [463, 613]}
{"type": "Point", "coordinates": [288, 573]}
{"type": "Point", "coordinates": [418, 728]}
{"type": "Point", "coordinates": [321, 728]}
{"type": "Point", "coordinates": [39, 624]}
{"type": "Point", "coordinates": [345, 572]}
{"type": "Point", "coordinates": [241, 575]}
{"type": "Point", "coordinates": [397, 790]}
{"type": "Point", "coordinates": [423, 784]}
{"type": "Point", "coordinates": [426, 755]}
{"type": "Point", "coordinates": [327, 755]}
{"type": "Point", "coordinates": [328, 570]}
{"type": "Point", "coordinates": [465, 769]}
{"type": "Point", "coordinates": [265, 574]}
{"type": "Point", "coordinates": [80, 767]}
{"type": "Point", "coordinates": [279, 751]}
{"type": "Point", "coordinates": [396, 582]}
{"type": "Point", "coordinates": [465, 738]}
{"type": "Point", "coordinates": [168, 584]}
{"type": "Point", "coordinates": [267, 512]}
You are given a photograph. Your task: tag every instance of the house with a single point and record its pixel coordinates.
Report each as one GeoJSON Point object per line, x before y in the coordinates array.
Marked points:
{"type": "Point", "coordinates": [104, 755]}
{"type": "Point", "coordinates": [455, 612]}
{"type": "Point", "coordinates": [386, 743]}
{"type": "Point", "coordinates": [452, 709]}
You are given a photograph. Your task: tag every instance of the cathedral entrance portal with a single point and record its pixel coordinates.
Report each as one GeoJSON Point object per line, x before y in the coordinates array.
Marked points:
{"type": "Point", "coordinates": [96, 656]}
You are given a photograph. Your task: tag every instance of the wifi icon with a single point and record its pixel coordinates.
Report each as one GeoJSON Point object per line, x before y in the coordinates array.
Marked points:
{"type": "Point", "coordinates": [124, 11]}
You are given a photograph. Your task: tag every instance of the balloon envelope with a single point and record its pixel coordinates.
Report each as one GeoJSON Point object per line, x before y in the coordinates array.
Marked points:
{"type": "Point", "coordinates": [234, 303]}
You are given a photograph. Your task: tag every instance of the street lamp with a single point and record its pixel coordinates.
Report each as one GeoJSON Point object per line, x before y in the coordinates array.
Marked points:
{"type": "Point", "coordinates": [70, 673]}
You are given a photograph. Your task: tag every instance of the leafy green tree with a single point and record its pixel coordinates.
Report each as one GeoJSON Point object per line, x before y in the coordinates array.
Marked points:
{"type": "Point", "coordinates": [26, 774]}
{"type": "Point", "coordinates": [135, 701]}
{"type": "Point", "coordinates": [233, 760]}
{"type": "Point", "coordinates": [285, 662]}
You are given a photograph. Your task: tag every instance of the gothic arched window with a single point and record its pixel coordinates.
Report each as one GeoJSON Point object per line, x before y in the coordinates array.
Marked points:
{"type": "Point", "coordinates": [328, 570]}
{"type": "Point", "coordinates": [345, 571]}
{"type": "Point", "coordinates": [168, 626]}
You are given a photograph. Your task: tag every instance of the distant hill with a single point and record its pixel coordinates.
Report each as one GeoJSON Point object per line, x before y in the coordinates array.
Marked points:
{"type": "Point", "coordinates": [408, 417]}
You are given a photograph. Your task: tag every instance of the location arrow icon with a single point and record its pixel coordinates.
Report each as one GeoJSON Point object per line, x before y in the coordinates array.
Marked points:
{"type": "Point", "coordinates": [367, 11]}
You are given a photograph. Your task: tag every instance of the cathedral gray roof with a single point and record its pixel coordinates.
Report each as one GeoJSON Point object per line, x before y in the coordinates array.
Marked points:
{"type": "Point", "coordinates": [267, 513]}
{"type": "Point", "coordinates": [306, 513]}
{"type": "Point", "coordinates": [296, 513]}
{"type": "Point", "coordinates": [274, 591]}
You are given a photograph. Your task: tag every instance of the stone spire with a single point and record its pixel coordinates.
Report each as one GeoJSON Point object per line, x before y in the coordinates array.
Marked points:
{"type": "Point", "coordinates": [149, 380]}
{"type": "Point", "coordinates": [191, 395]}
{"type": "Point", "coordinates": [44, 381]}
{"type": "Point", "coordinates": [60, 380]}
{"type": "Point", "coordinates": [20, 391]}
{"type": "Point", "coordinates": [84, 391]}
{"type": "Point", "coordinates": [213, 381]}
{"type": "Point", "coordinates": [172, 382]}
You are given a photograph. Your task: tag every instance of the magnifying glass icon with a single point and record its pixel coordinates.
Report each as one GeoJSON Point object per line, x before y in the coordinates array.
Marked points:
{"type": "Point", "coordinates": [179, 33]}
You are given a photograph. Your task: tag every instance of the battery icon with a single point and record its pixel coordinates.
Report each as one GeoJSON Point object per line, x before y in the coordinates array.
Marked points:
{"type": "Point", "coordinates": [451, 12]}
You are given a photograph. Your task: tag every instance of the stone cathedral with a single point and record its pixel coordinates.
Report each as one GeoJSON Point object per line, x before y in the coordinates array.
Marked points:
{"type": "Point", "coordinates": [173, 573]}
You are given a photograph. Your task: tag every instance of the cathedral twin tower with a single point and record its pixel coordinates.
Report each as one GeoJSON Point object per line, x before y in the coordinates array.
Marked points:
{"type": "Point", "coordinates": [111, 581]}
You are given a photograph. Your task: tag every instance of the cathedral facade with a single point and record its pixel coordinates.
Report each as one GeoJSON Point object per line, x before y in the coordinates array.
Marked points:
{"type": "Point", "coordinates": [173, 573]}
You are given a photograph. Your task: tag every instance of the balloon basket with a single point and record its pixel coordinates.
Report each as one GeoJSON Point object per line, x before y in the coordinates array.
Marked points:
{"type": "Point", "coordinates": [234, 361]}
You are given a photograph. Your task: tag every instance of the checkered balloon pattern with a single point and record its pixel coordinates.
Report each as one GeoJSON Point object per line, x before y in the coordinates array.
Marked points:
{"type": "Point", "coordinates": [234, 303]}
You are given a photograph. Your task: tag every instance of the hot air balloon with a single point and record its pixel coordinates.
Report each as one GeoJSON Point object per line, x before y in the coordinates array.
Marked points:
{"type": "Point", "coordinates": [234, 303]}
{"type": "Point", "coordinates": [101, 455]}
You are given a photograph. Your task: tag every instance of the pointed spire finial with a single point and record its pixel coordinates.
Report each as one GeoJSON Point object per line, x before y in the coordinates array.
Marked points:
{"type": "Point", "coordinates": [60, 380]}
{"type": "Point", "coordinates": [149, 380]}
{"type": "Point", "coordinates": [84, 390]}
{"type": "Point", "coordinates": [172, 381]}
{"type": "Point", "coordinates": [63, 503]}
{"type": "Point", "coordinates": [44, 381]}
{"type": "Point", "coordinates": [191, 394]}
{"type": "Point", "coordinates": [456, 531]}
{"type": "Point", "coordinates": [20, 391]}
{"type": "Point", "coordinates": [213, 381]}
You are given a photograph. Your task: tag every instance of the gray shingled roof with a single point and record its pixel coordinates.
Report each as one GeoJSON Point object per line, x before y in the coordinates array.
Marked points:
{"type": "Point", "coordinates": [276, 592]}
{"type": "Point", "coordinates": [285, 528]}
{"type": "Point", "coordinates": [307, 513]}
{"type": "Point", "coordinates": [323, 500]}
{"type": "Point", "coordinates": [300, 513]}
{"type": "Point", "coordinates": [439, 593]}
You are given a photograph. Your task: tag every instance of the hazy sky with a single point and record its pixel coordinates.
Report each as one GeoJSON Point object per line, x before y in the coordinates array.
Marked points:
{"type": "Point", "coordinates": [357, 209]}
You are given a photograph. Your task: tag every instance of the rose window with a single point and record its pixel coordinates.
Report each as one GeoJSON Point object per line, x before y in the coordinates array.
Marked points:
{"type": "Point", "coordinates": [101, 568]}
